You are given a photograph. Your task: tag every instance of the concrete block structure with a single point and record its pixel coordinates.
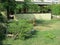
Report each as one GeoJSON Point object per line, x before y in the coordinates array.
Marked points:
{"type": "Point", "coordinates": [43, 1]}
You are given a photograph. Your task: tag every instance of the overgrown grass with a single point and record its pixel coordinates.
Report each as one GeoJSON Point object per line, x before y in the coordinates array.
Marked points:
{"type": "Point", "coordinates": [47, 37]}
{"type": "Point", "coordinates": [39, 39]}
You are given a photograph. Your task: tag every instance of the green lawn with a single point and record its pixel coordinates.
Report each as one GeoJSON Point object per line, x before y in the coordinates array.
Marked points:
{"type": "Point", "coordinates": [47, 28]}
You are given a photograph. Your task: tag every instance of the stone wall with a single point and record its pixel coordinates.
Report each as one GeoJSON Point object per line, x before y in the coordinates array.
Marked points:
{"type": "Point", "coordinates": [42, 16]}
{"type": "Point", "coordinates": [56, 16]}
{"type": "Point", "coordinates": [45, 16]}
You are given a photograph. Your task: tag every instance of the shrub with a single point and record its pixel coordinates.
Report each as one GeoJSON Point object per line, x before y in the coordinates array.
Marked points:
{"type": "Point", "coordinates": [20, 28]}
{"type": "Point", "coordinates": [55, 9]}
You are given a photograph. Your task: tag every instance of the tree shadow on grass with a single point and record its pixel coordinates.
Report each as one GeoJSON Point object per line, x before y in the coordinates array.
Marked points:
{"type": "Point", "coordinates": [2, 33]}
{"type": "Point", "coordinates": [33, 34]}
{"type": "Point", "coordinates": [2, 37]}
{"type": "Point", "coordinates": [46, 23]}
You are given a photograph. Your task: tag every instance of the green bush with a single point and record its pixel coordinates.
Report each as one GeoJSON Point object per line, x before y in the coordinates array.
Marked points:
{"type": "Point", "coordinates": [55, 9]}
{"type": "Point", "coordinates": [20, 27]}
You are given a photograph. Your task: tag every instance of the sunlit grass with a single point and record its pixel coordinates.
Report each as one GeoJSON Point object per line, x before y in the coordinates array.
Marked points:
{"type": "Point", "coordinates": [40, 38]}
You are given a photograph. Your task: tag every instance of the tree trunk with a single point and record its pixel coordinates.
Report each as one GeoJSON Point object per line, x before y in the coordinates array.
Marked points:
{"type": "Point", "coordinates": [7, 12]}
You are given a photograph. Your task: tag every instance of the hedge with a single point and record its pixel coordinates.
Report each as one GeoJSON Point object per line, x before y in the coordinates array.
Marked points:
{"type": "Point", "coordinates": [55, 8]}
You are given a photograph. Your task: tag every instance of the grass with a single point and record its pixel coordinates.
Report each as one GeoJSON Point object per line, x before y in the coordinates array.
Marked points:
{"type": "Point", "coordinates": [47, 27]}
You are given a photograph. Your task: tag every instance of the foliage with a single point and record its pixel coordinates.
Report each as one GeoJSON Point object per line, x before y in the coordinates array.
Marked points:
{"type": "Point", "coordinates": [27, 7]}
{"type": "Point", "coordinates": [33, 8]}
{"type": "Point", "coordinates": [20, 27]}
{"type": "Point", "coordinates": [50, 35]}
{"type": "Point", "coordinates": [40, 38]}
{"type": "Point", "coordinates": [2, 18]}
{"type": "Point", "coordinates": [19, 8]}
{"type": "Point", "coordinates": [10, 3]}
{"type": "Point", "coordinates": [55, 9]}
{"type": "Point", "coordinates": [2, 31]}
{"type": "Point", "coordinates": [8, 6]}
{"type": "Point", "coordinates": [1, 7]}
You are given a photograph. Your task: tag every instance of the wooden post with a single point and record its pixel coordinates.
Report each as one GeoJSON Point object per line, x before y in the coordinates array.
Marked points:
{"type": "Point", "coordinates": [34, 21]}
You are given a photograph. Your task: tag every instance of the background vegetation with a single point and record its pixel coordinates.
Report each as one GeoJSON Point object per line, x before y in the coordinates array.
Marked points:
{"type": "Point", "coordinates": [23, 29]}
{"type": "Point", "coordinates": [55, 8]}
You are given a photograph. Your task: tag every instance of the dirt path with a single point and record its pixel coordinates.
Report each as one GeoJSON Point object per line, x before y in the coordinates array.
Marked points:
{"type": "Point", "coordinates": [54, 26]}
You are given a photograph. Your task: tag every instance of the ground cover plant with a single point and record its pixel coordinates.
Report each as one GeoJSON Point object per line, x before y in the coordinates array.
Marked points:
{"type": "Point", "coordinates": [21, 29]}
{"type": "Point", "coordinates": [46, 35]}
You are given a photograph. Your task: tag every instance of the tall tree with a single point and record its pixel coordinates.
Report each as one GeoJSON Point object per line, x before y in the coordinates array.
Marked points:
{"type": "Point", "coordinates": [31, 7]}
{"type": "Point", "coordinates": [26, 5]}
{"type": "Point", "coordinates": [9, 6]}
